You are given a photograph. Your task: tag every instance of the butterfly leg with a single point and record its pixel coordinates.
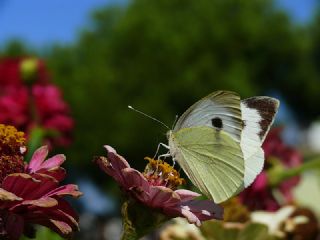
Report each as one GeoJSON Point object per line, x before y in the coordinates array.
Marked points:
{"type": "Point", "coordinates": [160, 144]}
{"type": "Point", "coordinates": [166, 154]}
{"type": "Point", "coordinates": [165, 146]}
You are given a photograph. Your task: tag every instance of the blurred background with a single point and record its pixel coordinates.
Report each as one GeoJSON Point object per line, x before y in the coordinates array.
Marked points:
{"type": "Point", "coordinates": [160, 57]}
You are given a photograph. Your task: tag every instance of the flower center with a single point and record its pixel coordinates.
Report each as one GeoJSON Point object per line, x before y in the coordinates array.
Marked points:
{"type": "Point", "coordinates": [11, 140]}
{"type": "Point", "coordinates": [12, 149]}
{"type": "Point", "coordinates": [160, 173]}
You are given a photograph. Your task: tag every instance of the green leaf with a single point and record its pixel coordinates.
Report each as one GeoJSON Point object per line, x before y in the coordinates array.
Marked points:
{"type": "Point", "coordinates": [35, 140]}
{"type": "Point", "coordinates": [254, 231]}
{"type": "Point", "coordinates": [45, 233]}
{"type": "Point", "coordinates": [214, 230]}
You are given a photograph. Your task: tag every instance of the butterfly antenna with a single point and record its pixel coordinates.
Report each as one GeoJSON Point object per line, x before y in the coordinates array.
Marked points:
{"type": "Point", "coordinates": [148, 116]}
{"type": "Point", "coordinates": [175, 121]}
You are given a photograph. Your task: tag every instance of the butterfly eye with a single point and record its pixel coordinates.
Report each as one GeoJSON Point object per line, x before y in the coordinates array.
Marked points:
{"type": "Point", "coordinates": [217, 122]}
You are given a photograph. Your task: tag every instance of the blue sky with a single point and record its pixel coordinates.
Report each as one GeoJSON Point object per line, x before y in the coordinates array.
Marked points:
{"type": "Point", "coordinates": [40, 22]}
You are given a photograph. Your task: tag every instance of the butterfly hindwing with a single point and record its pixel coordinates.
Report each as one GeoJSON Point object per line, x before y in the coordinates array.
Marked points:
{"type": "Point", "coordinates": [211, 158]}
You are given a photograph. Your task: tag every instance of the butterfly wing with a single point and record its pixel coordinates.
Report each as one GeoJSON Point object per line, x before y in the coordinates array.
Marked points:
{"type": "Point", "coordinates": [211, 158]}
{"type": "Point", "coordinates": [258, 115]}
{"type": "Point", "coordinates": [220, 109]}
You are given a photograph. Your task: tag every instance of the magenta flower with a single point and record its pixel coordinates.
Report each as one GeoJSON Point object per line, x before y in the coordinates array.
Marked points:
{"type": "Point", "coordinates": [259, 196]}
{"type": "Point", "coordinates": [28, 100]}
{"type": "Point", "coordinates": [155, 188]}
{"type": "Point", "coordinates": [288, 156]}
{"type": "Point", "coordinates": [30, 193]}
{"type": "Point", "coordinates": [49, 100]}
{"type": "Point", "coordinates": [13, 71]}
{"type": "Point", "coordinates": [10, 71]}
{"type": "Point", "coordinates": [53, 112]}
{"type": "Point", "coordinates": [14, 105]}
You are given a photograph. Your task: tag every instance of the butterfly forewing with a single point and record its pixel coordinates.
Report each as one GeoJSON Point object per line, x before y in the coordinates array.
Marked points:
{"type": "Point", "coordinates": [211, 158]}
{"type": "Point", "coordinates": [258, 114]}
{"type": "Point", "coordinates": [220, 110]}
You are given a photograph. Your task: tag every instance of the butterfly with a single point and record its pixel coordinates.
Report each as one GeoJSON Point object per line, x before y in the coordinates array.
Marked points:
{"type": "Point", "coordinates": [217, 142]}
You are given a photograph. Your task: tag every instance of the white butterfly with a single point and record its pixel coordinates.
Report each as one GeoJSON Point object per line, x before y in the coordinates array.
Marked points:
{"type": "Point", "coordinates": [217, 142]}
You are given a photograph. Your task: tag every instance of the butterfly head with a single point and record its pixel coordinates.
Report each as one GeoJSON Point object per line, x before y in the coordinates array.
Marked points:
{"type": "Point", "coordinates": [169, 134]}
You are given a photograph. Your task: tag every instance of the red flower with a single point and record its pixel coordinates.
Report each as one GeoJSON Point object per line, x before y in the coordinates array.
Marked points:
{"type": "Point", "coordinates": [155, 189]}
{"type": "Point", "coordinates": [14, 105]}
{"type": "Point", "coordinates": [18, 71]}
{"type": "Point", "coordinates": [31, 194]}
{"type": "Point", "coordinates": [259, 196]}
{"type": "Point", "coordinates": [10, 71]}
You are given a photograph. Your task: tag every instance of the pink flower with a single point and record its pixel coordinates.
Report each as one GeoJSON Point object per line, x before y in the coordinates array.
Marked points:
{"type": "Point", "coordinates": [14, 105]}
{"type": "Point", "coordinates": [152, 189]}
{"type": "Point", "coordinates": [27, 99]}
{"type": "Point", "coordinates": [16, 71]}
{"type": "Point", "coordinates": [48, 99]}
{"type": "Point", "coordinates": [259, 196]}
{"type": "Point", "coordinates": [289, 157]}
{"type": "Point", "coordinates": [10, 71]}
{"type": "Point", "coordinates": [39, 165]}
{"type": "Point", "coordinates": [31, 194]}
{"type": "Point", "coordinates": [53, 113]}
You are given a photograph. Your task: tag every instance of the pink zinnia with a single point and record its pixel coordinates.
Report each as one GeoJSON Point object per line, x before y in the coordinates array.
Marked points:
{"type": "Point", "coordinates": [259, 196]}
{"type": "Point", "coordinates": [30, 193]}
{"type": "Point", "coordinates": [28, 100]}
{"type": "Point", "coordinates": [53, 113]}
{"type": "Point", "coordinates": [155, 188]}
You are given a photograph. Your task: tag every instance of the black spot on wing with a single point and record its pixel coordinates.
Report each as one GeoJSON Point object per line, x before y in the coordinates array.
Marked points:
{"type": "Point", "coordinates": [267, 108]}
{"type": "Point", "coordinates": [217, 122]}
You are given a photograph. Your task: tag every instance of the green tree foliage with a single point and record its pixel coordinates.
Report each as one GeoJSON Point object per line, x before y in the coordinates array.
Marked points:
{"type": "Point", "coordinates": [161, 56]}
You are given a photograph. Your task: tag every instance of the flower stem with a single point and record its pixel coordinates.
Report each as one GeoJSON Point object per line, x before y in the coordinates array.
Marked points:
{"type": "Point", "coordinates": [129, 232]}
{"type": "Point", "coordinates": [279, 174]}
{"type": "Point", "coordinates": [139, 220]}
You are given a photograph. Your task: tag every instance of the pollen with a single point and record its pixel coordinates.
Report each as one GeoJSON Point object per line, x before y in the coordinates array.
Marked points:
{"type": "Point", "coordinates": [11, 140]}
{"type": "Point", "coordinates": [9, 165]}
{"type": "Point", "coordinates": [160, 173]}
{"type": "Point", "coordinates": [12, 145]}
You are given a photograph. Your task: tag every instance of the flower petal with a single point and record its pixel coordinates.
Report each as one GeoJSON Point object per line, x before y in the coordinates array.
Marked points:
{"type": "Point", "coordinates": [37, 159]}
{"type": "Point", "coordinates": [190, 216]}
{"type": "Point", "coordinates": [8, 196]}
{"type": "Point", "coordinates": [163, 197]}
{"type": "Point", "coordinates": [58, 173]}
{"type": "Point", "coordinates": [118, 161]}
{"type": "Point", "coordinates": [45, 202]}
{"type": "Point", "coordinates": [187, 195]}
{"type": "Point", "coordinates": [27, 187]}
{"type": "Point", "coordinates": [196, 211]}
{"type": "Point", "coordinates": [205, 209]}
{"type": "Point", "coordinates": [134, 178]}
{"type": "Point", "coordinates": [54, 161]}
{"type": "Point", "coordinates": [66, 190]}
{"type": "Point", "coordinates": [62, 228]}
